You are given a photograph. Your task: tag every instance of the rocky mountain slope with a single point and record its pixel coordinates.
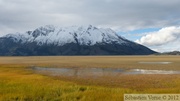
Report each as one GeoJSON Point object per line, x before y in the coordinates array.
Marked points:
{"type": "Point", "coordinates": [74, 40]}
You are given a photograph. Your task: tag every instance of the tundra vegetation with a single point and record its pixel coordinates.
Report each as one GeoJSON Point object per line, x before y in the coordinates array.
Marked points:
{"type": "Point", "coordinates": [18, 82]}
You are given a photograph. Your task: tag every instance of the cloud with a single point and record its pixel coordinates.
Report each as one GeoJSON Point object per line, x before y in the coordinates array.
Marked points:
{"type": "Point", "coordinates": [166, 39]}
{"type": "Point", "coordinates": [22, 15]}
{"type": "Point", "coordinates": [121, 15]}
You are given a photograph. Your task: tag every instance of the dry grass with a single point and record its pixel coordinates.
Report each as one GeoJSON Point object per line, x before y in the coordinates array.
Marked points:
{"type": "Point", "coordinates": [19, 84]}
{"type": "Point", "coordinates": [96, 61]}
{"type": "Point", "coordinates": [133, 82]}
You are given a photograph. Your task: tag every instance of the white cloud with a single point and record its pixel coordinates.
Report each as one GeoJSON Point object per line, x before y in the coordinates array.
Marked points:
{"type": "Point", "coordinates": [120, 14]}
{"type": "Point", "coordinates": [166, 39]}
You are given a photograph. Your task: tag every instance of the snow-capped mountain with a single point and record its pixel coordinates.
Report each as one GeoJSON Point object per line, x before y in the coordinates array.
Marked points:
{"type": "Point", "coordinates": [74, 40]}
{"type": "Point", "coordinates": [84, 35]}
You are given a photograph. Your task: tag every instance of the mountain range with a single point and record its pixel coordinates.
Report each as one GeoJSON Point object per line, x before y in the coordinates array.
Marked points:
{"type": "Point", "coordinates": [73, 40]}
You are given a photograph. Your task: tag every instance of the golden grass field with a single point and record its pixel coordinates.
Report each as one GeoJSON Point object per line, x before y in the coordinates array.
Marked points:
{"type": "Point", "coordinates": [17, 83]}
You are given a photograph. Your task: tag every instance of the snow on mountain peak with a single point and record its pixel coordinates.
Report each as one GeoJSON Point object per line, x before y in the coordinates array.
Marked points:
{"type": "Point", "coordinates": [83, 35]}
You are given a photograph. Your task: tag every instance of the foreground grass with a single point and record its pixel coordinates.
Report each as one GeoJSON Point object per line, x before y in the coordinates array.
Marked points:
{"type": "Point", "coordinates": [17, 83]}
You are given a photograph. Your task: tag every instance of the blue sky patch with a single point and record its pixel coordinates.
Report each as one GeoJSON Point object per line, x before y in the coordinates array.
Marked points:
{"type": "Point", "coordinates": [137, 34]}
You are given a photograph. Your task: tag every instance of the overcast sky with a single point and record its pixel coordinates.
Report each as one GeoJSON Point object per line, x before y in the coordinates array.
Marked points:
{"type": "Point", "coordinates": [124, 16]}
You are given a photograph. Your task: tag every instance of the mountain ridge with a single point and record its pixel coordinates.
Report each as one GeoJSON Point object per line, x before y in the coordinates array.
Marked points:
{"type": "Point", "coordinates": [84, 35]}
{"type": "Point", "coordinates": [74, 40]}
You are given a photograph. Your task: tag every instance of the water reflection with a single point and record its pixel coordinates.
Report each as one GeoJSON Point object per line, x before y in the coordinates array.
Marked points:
{"type": "Point", "coordinates": [79, 72]}
{"type": "Point", "coordinates": [97, 72]}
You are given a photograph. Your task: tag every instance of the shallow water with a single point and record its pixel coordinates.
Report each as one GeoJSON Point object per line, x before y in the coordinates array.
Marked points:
{"type": "Point", "coordinates": [155, 62]}
{"type": "Point", "coordinates": [143, 71]}
{"type": "Point", "coordinates": [79, 72]}
{"type": "Point", "coordinates": [96, 72]}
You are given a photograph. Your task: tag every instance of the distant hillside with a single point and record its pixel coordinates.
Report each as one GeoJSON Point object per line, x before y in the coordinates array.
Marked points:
{"type": "Point", "coordinates": [169, 53]}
